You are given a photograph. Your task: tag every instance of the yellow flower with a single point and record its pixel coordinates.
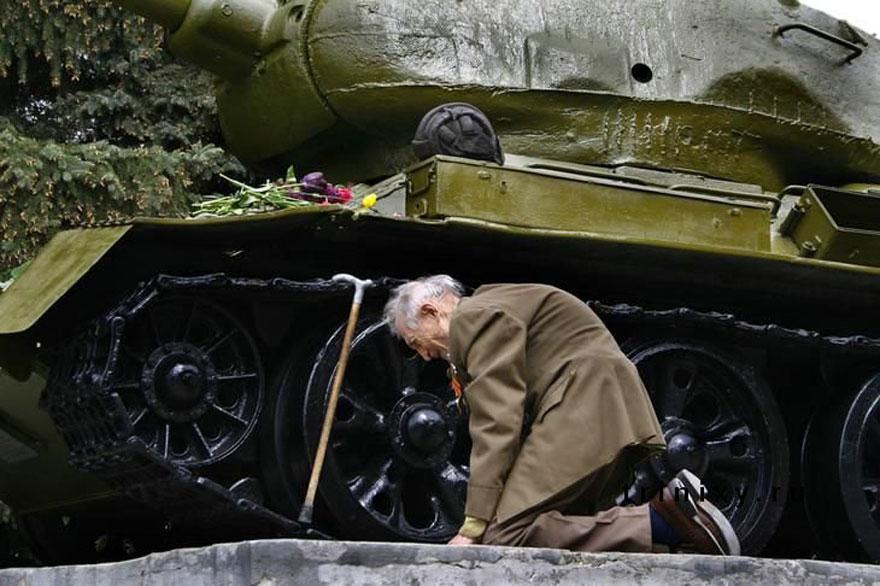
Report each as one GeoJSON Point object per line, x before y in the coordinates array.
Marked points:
{"type": "Point", "coordinates": [370, 200]}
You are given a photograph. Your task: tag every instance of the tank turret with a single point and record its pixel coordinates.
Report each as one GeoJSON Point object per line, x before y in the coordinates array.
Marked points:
{"type": "Point", "coordinates": [266, 89]}
{"type": "Point", "coordinates": [764, 92]}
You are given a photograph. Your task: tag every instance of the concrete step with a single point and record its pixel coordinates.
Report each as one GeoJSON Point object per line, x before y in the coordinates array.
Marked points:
{"type": "Point", "coordinates": [292, 561]}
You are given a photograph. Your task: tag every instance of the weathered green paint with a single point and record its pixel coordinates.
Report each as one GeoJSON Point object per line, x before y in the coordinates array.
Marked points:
{"type": "Point", "coordinates": [60, 484]}
{"type": "Point", "coordinates": [281, 82]}
{"type": "Point", "coordinates": [341, 85]}
{"type": "Point", "coordinates": [594, 207]}
{"type": "Point", "coordinates": [564, 201]}
{"type": "Point", "coordinates": [530, 197]}
{"type": "Point", "coordinates": [837, 225]}
{"type": "Point", "coordinates": [568, 210]}
{"type": "Point", "coordinates": [683, 183]}
{"type": "Point", "coordinates": [60, 264]}
{"type": "Point", "coordinates": [291, 217]}
{"type": "Point", "coordinates": [225, 37]}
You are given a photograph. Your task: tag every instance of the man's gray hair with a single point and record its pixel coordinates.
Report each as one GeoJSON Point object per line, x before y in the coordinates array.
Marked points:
{"type": "Point", "coordinates": [407, 299]}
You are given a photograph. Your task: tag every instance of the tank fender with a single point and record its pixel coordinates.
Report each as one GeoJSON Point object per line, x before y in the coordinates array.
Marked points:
{"type": "Point", "coordinates": [57, 268]}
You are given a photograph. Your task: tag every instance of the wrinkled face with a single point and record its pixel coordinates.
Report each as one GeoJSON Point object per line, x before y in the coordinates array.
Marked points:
{"type": "Point", "coordinates": [430, 338]}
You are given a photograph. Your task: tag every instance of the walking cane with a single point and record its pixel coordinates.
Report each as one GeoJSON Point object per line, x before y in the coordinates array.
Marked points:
{"type": "Point", "coordinates": [305, 515]}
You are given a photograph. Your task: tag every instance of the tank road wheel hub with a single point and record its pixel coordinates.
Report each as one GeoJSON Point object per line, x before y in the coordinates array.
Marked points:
{"type": "Point", "coordinates": [721, 422]}
{"type": "Point", "coordinates": [685, 450]}
{"type": "Point", "coordinates": [420, 430]}
{"type": "Point", "coordinates": [179, 382]}
{"type": "Point", "coordinates": [189, 375]}
{"type": "Point", "coordinates": [397, 463]}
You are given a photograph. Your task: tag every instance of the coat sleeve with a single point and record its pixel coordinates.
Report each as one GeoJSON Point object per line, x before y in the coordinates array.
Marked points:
{"type": "Point", "coordinates": [492, 346]}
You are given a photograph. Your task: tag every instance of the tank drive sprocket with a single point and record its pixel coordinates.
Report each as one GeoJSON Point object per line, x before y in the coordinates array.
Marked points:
{"type": "Point", "coordinates": [158, 387]}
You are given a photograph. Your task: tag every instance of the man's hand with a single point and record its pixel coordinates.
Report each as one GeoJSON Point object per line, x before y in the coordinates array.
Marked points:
{"type": "Point", "coordinates": [462, 540]}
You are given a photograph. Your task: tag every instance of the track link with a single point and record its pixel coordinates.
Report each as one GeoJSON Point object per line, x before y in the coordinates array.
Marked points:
{"type": "Point", "coordinates": [95, 424]}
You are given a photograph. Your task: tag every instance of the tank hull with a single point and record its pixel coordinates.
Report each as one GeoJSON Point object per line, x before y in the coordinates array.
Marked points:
{"type": "Point", "coordinates": [704, 174]}
{"type": "Point", "coordinates": [699, 279]}
{"type": "Point", "coordinates": [712, 87]}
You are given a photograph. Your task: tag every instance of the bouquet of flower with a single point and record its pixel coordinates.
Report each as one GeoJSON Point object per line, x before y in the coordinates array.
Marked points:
{"type": "Point", "coordinates": [285, 193]}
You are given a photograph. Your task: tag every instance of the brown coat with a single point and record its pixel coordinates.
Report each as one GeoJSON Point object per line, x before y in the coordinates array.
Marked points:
{"type": "Point", "coordinates": [552, 398]}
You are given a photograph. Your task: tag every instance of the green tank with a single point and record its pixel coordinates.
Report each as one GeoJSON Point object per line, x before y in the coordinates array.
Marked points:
{"type": "Point", "coordinates": [706, 175]}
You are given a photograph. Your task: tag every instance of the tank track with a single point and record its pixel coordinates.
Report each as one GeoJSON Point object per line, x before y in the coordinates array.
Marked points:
{"type": "Point", "coordinates": [96, 427]}
{"type": "Point", "coordinates": [728, 324]}
{"type": "Point", "coordinates": [101, 441]}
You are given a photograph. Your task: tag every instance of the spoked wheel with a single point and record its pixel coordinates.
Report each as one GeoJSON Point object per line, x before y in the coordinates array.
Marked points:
{"type": "Point", "coordinates": [191, 380]}
{"type": "Point", "coordinates": [396, 466]}
{"type": "Point", "coordinates": [841, 461]}
{"type": "Point", "coordinates": [721, 422]}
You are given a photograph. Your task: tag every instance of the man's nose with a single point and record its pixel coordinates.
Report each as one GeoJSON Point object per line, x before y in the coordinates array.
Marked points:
{"type": "Point", "coordinates": [424, 354]}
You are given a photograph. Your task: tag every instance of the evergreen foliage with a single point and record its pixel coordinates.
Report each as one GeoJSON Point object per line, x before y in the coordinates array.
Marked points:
{"type": "Point", "coordinates": [97, 122]}
{"type": "Point", "coordinates": [49, 185]}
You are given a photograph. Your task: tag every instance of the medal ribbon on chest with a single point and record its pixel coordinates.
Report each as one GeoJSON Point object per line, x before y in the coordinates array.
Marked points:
{"type": "Point", "coordinates": [455, 383]}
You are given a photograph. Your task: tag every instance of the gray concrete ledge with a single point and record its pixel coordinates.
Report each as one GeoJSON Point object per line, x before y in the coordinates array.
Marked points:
{"type": "Point", "coordinates": [278, 562]}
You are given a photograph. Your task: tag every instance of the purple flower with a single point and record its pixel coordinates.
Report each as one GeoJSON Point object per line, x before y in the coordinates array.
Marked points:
{"type": "Point", "coordinates": [314, 183]}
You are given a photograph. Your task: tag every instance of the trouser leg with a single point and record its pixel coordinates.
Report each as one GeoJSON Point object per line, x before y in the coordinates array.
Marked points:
{"type": "Point", "coordinates": [615, 529]}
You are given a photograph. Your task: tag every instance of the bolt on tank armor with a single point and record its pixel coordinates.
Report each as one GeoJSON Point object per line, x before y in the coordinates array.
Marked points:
{"type": "Point", "coordinates": [705, 175]}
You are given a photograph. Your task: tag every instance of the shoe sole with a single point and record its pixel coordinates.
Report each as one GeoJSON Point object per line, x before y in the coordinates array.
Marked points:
{"type": "Point", "coordinates": [685, 507]}
{"type": "Point", "coordinates": [691, 484]}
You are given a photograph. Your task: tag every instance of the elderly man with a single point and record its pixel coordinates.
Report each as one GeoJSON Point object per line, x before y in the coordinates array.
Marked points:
{"type": "Point", "coordinates": [558, 419]}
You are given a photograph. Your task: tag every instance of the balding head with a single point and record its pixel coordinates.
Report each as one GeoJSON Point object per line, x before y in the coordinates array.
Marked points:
{"type": "Point", "coordinates": [419, 312]}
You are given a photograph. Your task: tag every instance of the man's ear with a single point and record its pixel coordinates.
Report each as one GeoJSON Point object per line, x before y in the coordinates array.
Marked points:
{"type": "Point", "coordinates": [428, 309]}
